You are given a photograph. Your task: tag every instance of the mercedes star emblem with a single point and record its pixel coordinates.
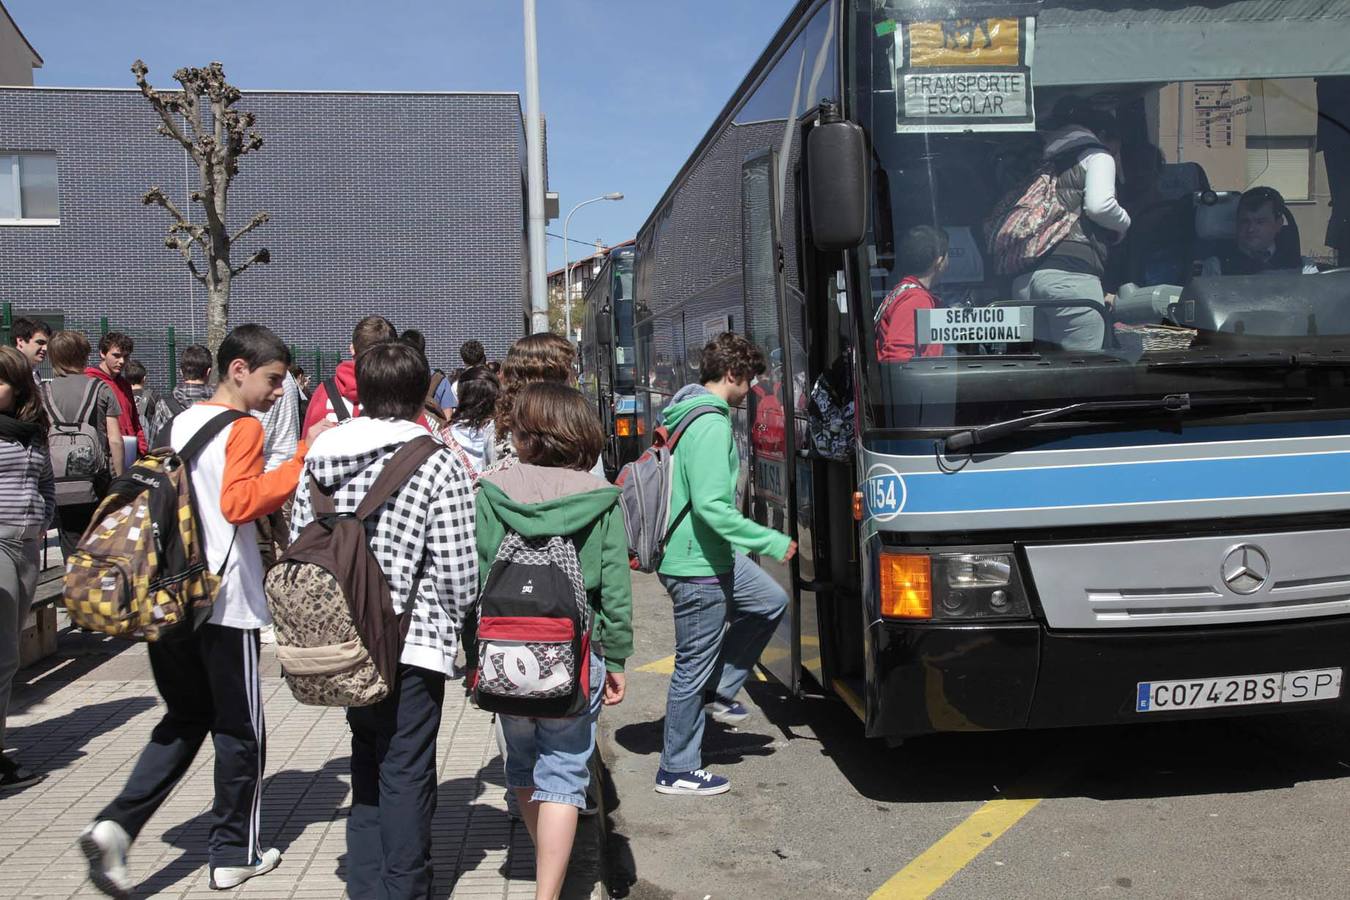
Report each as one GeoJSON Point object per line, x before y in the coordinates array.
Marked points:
{"type": "Point", "coordinates": [1245, 569]}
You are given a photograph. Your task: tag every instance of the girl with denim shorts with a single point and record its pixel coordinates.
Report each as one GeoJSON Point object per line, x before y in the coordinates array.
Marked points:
{"type": "Point", "coordinates": [550, 492]}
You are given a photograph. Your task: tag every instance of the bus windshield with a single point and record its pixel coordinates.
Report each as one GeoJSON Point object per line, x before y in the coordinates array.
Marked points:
{"type": "Point", "coordinates": [624, 357]}
{"type": "Point", "coordinates": [1061, 214]}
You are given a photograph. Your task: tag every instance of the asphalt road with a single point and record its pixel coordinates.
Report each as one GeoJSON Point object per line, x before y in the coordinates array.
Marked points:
{"type": "Point", "coordinates": [1237, 808]}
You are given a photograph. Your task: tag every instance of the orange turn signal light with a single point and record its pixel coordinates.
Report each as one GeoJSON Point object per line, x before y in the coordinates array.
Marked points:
{"type": "Point", "coordinates": [623, 426]}
{"type": "Point", "coordinates": [906, 586]}
{"type": "Point", "coordinates": [857, 506]}
{"type": "Point", "coordinates": [641, 427]}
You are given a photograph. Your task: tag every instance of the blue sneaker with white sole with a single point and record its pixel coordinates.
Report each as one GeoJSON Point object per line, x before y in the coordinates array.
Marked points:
{"type": "Point", "coordinates": [695, 784]}
{"type": "Point", "coordinates": [728, 712]}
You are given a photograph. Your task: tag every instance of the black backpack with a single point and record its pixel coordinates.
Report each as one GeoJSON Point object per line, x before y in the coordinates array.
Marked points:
{"type": "Point", "coordinates": [528, 636]}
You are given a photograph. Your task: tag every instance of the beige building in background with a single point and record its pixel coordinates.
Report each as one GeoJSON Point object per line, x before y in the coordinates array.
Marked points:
{"type": "Point", "coordinates": [18, 59]}
{"type": "Point", "coordinates": [1250, 133]}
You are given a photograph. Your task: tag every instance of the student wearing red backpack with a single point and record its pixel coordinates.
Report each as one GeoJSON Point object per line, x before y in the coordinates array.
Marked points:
{"type": "Point", "coordinates": [550, 492]}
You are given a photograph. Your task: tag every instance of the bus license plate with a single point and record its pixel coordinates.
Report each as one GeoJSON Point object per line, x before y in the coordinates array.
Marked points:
{"type": "Point", "coordinates": [1239, 690]}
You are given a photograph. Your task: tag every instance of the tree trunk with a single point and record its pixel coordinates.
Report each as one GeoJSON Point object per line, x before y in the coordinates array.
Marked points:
{"type": "Point", "coordinates": [217, 316]}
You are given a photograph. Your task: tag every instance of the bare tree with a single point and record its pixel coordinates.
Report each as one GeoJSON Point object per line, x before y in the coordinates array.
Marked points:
{"type": "Point", "coordinates": [203, 120]}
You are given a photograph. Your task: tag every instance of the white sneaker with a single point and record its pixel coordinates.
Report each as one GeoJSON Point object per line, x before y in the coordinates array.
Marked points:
{"type": "Point", "coordinates": [225, 877]}
{"type": "Point", "coordinates": [105, 843]}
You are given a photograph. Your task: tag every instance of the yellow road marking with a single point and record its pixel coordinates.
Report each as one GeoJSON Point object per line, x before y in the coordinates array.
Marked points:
{"type": "Point", "coordinates": [661, 666]}
{"type": "Point", "coordinates": [935, 866]}
{"type": "Point", "coordinates": [666, 665]}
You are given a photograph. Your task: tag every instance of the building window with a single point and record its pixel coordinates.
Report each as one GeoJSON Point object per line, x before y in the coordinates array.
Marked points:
{"type": "Point", "coordinates": [28, 189]}
{"type": "Point", "coordinates": [1285, 164]}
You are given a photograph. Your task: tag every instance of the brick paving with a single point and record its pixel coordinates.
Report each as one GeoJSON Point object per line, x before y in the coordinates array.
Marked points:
{"type": "Point", "coordinates": [84, 715]}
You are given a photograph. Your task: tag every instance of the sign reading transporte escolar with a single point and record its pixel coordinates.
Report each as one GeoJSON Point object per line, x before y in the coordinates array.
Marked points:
{"type": "Point", "coordinates": [965, 75]}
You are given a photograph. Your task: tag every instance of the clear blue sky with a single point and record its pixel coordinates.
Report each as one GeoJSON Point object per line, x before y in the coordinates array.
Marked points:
{"type": "Point", "coordinates": [628, 87]}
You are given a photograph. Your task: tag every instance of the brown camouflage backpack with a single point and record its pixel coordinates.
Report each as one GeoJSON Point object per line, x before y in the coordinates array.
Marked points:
{"type": "Point", "coordinates": [139, 571]}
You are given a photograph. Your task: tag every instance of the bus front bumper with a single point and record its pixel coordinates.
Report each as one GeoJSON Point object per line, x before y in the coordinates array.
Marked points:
{"type": "Point", "coordinates": [928, 678]}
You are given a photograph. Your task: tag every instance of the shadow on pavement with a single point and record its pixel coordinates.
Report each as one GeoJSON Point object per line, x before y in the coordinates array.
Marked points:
{"type": "Point", "coordinates": [1150, 760]}
{"type": "Point", "coordinates": [720, 744]}
{"type": "Point", "coordinates": [55, 743]}
{"type": "Point", "coordinates": [191, 836]}
{"type": "Point", "coordinates": [78, 653]}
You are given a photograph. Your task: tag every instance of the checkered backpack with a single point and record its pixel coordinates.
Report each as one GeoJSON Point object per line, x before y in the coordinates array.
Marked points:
{"type": "Point", "coordinates": [139, 571]}
{"type": "Point", "coordinates": [528, 637]}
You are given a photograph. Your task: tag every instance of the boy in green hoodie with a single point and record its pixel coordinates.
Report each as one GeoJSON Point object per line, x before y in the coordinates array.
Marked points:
{"type": "Point", "coordinates": [549, 492]}
{"type": "Point", "coordinates": [726, 607]}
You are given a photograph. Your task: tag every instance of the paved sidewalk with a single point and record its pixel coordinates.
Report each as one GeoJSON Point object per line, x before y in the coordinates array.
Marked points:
{"type": "Point", "coordinates": [84, 715]}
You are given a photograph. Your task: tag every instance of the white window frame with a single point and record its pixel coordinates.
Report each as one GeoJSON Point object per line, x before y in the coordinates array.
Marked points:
{"type": "Point", "coordinates": [15, 184]}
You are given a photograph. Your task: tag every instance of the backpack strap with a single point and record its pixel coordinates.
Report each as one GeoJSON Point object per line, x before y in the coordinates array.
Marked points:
{"type": "Point", "coordinates": [335, 401]}
{"type": "Point", "coordinates": [87, 403]}
{"type": "Point", "coordinates": [207, 433]}
{"type": "Point", "coordinates": [688, 420]}
{"type": "Point", "coordinates": [45, 392]}
{"type": "Point", "coordinates": [402, 465]}
{"type": "Point", "coordinates": [694, 413]}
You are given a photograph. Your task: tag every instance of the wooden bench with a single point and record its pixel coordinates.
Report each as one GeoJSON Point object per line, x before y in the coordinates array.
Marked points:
{"type": "Point", "coordinates": [38, 639]}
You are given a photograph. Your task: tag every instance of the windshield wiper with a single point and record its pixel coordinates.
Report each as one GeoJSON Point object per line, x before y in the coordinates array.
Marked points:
{"type": "Point", "coordinates": [1172, 403]}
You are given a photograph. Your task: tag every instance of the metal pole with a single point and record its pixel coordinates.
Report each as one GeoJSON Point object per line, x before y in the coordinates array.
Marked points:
{"type": "Point", "coordinates": [567, 270]}
{"type": "Point", "coordinates": [534, 151]}
{"type": "Point", "coordinates": [6, 322]}
{"type": "Point", "coordinates": [567, 280]}
{"type": "Point", "coordinates": [318, 365]}
{"type": "Point", "coordinates": [103, 325]}
{"type": "Point", "coordinates": [173, 356]}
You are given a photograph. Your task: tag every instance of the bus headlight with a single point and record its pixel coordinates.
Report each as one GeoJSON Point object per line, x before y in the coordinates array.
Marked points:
{"type": "Point", "coordinates": [978, 570]}
{"type": "Point", "coordinates": [623, 426]}
{"type": "Point", "coordinates": [940, 585]}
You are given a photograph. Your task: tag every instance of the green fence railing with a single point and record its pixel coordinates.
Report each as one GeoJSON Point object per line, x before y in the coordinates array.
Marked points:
{"type": "Point", "coordinates": [156, 348]}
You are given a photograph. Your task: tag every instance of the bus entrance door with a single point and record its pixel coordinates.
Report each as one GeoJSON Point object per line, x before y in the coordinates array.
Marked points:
{"type": "Point", "coordinates": [770, 403]}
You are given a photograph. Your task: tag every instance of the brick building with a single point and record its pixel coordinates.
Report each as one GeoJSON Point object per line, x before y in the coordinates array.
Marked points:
{"type": "Point", "coordinates": [411, 205]}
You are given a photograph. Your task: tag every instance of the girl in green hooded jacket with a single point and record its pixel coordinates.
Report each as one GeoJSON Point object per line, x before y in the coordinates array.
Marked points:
{"type": "Point", "coordinates": [549, 492]}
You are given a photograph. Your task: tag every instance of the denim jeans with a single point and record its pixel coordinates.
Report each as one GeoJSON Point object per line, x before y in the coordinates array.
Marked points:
{"type": "Point", "coordinates": [720, 631]}
{"type": "Point", "coordinates": [553, 756]}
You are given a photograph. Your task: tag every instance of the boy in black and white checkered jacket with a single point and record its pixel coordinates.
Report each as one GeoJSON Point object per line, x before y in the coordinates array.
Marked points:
{"type": "Point", "coordinates": [423, 538]}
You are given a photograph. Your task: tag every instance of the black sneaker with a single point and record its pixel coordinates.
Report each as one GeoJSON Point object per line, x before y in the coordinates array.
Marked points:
{"type": "Point", "coordinates": [14, 777]}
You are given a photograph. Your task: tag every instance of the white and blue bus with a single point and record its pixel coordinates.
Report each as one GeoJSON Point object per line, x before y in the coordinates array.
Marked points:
{"type": "Point", "coordinates": [1008, 522]}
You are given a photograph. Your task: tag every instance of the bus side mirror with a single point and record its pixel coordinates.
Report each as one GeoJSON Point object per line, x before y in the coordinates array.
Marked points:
{"type": "Point", "coordinates": [604, 326]}
{"type": "Point", "coordinates": [836, 177]}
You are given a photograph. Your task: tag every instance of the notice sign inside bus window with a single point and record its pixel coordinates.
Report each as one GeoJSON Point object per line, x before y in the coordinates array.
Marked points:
{"type": "Point", "coordinates": [965, 75]}
{"type": "Point", "coordinates": [975, 325]}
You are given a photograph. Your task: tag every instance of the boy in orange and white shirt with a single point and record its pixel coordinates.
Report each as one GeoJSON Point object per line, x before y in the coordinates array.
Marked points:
{"type": "Point", "coordinates": [210, 681]}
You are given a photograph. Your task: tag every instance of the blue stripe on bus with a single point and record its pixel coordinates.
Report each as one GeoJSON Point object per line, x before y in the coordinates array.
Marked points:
{"type": "Point", "coordinates": [1142, 438]}
{"type": "Point", "coordinates": [1107, 485]}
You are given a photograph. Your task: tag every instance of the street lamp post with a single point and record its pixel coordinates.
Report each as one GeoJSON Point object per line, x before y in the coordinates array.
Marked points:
{"type": "Point", "coordinates": [567, 266]}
